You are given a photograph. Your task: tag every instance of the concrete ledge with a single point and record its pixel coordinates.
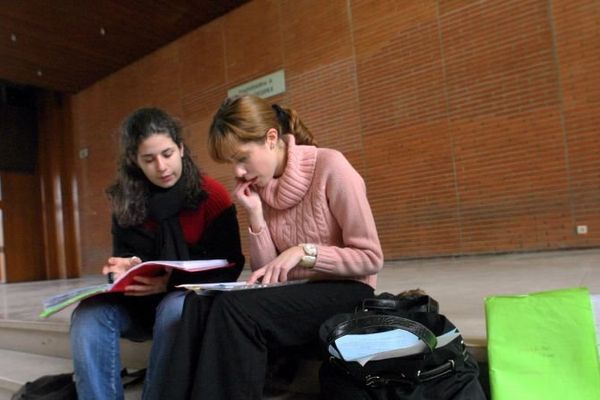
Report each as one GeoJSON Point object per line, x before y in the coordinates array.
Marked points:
{"type": "Point", "coordinates": [18, 367]}
{"type": "Point", "coordinates": [52, 339]}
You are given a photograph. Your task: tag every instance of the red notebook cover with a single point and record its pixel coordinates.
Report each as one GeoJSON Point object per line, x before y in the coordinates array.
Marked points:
{"type": "Point", "coordinates": [149, 268]}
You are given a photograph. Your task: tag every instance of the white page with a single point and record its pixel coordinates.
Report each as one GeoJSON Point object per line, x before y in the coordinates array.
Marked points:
{"type": "Point", "coordinates": [384, 345]}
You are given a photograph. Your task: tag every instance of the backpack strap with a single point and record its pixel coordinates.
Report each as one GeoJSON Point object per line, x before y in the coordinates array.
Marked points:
{"type": "Point", "coordinates": [369, 323]}
{"type": "Point", "coordinates": [131, 378]}
{"type": "Point", "coordinates": [411, 303]}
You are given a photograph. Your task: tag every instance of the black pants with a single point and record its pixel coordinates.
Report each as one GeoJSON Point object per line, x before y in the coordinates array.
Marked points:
{"type": "Point", "coordinates": [221, 350]}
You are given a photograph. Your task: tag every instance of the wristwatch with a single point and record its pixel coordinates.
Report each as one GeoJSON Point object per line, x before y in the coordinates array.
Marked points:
{"type": "Point", "coordinates": [310, 255]}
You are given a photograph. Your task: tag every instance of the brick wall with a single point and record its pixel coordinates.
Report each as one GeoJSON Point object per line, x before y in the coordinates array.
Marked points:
{"type": "Point", "coordinates": [474, 123]}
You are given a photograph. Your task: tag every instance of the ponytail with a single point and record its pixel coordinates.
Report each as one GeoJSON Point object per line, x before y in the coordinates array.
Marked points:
{"type": "Point", "coordinates": [289, 122]}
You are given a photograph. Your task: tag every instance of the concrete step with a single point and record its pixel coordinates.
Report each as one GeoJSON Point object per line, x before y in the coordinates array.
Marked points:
{"type": "Point", "coordinates": [30, 349]}
{"type": "Point", "coordinates": [17, 367]}
{"type": "Point", "coordinates": [52, 339]}
{"type": "Point", "coordinates": [5, 394]}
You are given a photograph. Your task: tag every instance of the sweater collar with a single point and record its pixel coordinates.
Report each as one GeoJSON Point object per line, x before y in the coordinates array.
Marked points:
{"type": "Point", "coordinates": [290, 188]}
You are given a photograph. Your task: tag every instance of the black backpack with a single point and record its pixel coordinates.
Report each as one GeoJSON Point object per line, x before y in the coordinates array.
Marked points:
{"type": "Point", "coordinates": [62, 386]}
{"type": "Point", "coordinates": [48, 387]}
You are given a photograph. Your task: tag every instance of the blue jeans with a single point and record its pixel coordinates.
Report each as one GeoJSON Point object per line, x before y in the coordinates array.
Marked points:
{"type": "Point", "coordinates": [96, 326]}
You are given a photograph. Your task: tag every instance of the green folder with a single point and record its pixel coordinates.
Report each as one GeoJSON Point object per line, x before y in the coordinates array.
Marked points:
{"type": "Point", "coordinates": [543, 346]}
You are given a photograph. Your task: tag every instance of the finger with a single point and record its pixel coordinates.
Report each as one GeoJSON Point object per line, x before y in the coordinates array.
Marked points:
{"type": "Point", "coordinates": [152, 280]}
{"type": "Point", "coordinates": [137, 288]}
{"type": "Point", "coordinates": [283, 275]}
{"type": "Point", "coordinates": [267, 276]}
{"type": "Point", "coordinates": [135, 260]}
{"type": "Point", "coordinates": [107, 266]}
{"type": "Point", "coordinates": [112, 270]}
{"type": "Point", "coordinates": [246, 189]}
{"type": "Point", "coordinates": [239, 186]}
{"type": "Point", "coordinates": [145, 280]}
{"type": "Point", "coordinates": [237, 195]}
{"type": "Point", "coordinates": [256, 275]}
{"type": "Point", "coordinates": [137, 293]}
{"type": "Point", "coordinates": [242, 183]}
{"type": "Point", "coordinates": [270, 276]}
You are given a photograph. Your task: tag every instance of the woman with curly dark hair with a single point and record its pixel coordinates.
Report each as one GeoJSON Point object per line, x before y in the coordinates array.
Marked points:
{"type": "Point", "coordinates": [163, 209]}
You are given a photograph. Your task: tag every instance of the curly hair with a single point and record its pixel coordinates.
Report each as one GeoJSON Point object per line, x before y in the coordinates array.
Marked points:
{"type": "Point", "coordinates": [130, 192]}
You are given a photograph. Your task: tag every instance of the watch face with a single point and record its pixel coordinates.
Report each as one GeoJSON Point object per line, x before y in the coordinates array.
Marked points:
{"type": "Point", "coordinates": [310, 249]}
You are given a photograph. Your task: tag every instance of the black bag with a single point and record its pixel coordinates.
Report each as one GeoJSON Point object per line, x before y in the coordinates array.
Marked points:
{"type": "Point", "coordinates": [439, 368]}
{"type": "Point", "coordinates": [48, 387]}
{"type": "Point", "coordinates": [62, 386]}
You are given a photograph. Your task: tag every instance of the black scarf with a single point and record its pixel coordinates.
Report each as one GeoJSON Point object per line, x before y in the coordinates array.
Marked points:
{"type": "Point", "coordinates": [164, 206]}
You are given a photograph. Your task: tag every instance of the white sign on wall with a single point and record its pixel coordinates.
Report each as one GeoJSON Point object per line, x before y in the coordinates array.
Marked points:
{"type": "Point", "coordinates": [265, 86]}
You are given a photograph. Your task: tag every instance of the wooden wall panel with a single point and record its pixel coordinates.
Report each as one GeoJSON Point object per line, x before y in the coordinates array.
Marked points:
{"type": "Point", "coordinates": [23, 238]}
{"type": "Point", "coordinates": [473, 122]}
{"type": "Point", "coordinates": [60, 213]}
{"type": "Point", "coordinates": [2, 254]}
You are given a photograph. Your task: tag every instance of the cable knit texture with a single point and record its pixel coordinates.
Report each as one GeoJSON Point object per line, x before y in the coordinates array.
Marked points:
{"type": "Point", "coordinates": [321, 199]}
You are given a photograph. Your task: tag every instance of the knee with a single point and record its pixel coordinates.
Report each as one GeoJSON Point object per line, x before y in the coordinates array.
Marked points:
{"type": "Point", "coordinates": [91, 313]}
{"type": "Point", "coordinates": [170, 308]}
{"type": "Point", "coordinates": [227, 303]}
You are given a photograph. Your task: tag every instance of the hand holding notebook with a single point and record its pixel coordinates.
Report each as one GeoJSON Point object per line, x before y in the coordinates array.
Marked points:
{"type": "Point", "coordinates": [145, 269]}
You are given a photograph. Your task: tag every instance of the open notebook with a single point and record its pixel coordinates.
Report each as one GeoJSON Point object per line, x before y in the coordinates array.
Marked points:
{"type": "Point", "coordinates": [149, 268]}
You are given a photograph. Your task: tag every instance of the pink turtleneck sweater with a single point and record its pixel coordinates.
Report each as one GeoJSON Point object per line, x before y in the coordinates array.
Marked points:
{"type": "Point", "coordinates": [320, 199]}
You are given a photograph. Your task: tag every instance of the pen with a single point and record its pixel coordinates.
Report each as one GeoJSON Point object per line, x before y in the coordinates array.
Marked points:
{"type": "Point", "coordinates": [111, 276]}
